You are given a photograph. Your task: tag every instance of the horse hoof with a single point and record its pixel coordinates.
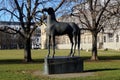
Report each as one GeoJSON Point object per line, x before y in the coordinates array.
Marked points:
{"type": "Point", "coordinates": [47, 56]}
{"type": "Point", "coordinates": [52, 56]}
{"type": "Point", "coordinates": [72, 55]}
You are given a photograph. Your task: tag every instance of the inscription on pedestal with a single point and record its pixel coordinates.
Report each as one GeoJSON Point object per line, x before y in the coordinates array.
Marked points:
{"type": "Point", "coordinates": [59, 65]}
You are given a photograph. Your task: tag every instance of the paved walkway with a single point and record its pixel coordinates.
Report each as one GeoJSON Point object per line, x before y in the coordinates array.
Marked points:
{"type": "Point", "coordinates": [67, 75]}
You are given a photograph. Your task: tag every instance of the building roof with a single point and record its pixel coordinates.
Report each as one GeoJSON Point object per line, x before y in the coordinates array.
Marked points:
{"type": "Point", "coordinates": [9, 23]}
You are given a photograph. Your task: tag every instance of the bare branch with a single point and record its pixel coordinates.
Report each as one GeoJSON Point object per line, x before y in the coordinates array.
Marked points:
{"type": "Point", "coordinates": [59, 5]}
{"type": "Point", "coordinates": [11, 12]}
{"type": "Point", "coordinates": [102, 11]}
{"type": "Point", "coordinates": [10, 30]}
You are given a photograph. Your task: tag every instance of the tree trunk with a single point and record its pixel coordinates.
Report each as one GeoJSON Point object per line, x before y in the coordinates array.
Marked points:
{"type": "Point", "coordinates": [94, 47]}
{"type": "Point", "coordinates": [27, 50]}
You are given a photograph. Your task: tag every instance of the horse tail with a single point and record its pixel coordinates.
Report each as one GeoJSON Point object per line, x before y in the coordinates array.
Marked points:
{"type": "Point", "coordinates": [79, 36]}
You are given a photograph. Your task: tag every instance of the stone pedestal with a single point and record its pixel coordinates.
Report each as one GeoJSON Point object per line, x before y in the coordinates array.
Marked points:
{"type": "Point", "coordinates": [60, 65]}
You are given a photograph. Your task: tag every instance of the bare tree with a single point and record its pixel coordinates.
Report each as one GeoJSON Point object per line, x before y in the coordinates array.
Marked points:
{"type": "Point", "coordinates": [114, 15]}
{"type": "Point", "coordinates": [28, 13]}
{"type": "Point", "coordinates": [92, 15]}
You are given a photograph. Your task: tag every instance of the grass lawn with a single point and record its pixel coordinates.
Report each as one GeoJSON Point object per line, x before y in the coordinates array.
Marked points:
{"type": "Point", "coordinates": [12, 66]}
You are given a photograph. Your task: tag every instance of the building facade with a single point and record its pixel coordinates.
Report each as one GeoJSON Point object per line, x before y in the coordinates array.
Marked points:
{"type": "Point", "coordinates": [106, 40]}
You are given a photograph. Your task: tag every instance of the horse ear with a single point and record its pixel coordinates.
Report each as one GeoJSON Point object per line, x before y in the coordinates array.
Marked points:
{"type": "Point", "coordinates": [51, 9]}
{"type": "Point", "coordinates": [45, 9]}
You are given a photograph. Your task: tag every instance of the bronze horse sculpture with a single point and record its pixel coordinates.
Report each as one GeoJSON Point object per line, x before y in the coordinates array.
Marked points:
{"type": "Point", "coordinates": [56, 28]}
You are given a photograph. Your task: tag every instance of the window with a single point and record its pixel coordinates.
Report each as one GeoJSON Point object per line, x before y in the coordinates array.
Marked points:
{"type": "Point", "coordinates": [110, 36]}
{"type": "Point", "coordinates": [117, 38]}
{"type": "Point", "coordinates": [104, 38]}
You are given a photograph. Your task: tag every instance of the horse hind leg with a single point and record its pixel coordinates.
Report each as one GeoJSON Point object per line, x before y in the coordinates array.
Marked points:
{"type": "Point", "coordinates": [71, 41]}
{"type": "Point", "coordinates": [79, 36]}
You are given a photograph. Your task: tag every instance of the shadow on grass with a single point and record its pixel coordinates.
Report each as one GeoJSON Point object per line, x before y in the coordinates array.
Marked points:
{"type": "Point", "coordinates": [106, 69]}
{"type": "Point", "coordinates": [20, 61]}
{"type": "Point", "coordinates": [109, 57]}
{"type": "Point", "coordinates": [103, 58]}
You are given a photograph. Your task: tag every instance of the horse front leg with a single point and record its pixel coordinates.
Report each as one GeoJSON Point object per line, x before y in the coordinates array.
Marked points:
{"type": "Point", "coordinates": [49, 40]}
{"type": "Point", "coordinates": [75, 40]}
{"type": "Point", "coordinates": [53, 39]}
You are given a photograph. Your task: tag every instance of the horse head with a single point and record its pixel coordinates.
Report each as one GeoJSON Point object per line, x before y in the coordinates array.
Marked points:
{"type": "Point", "coordinates": [49, 10]}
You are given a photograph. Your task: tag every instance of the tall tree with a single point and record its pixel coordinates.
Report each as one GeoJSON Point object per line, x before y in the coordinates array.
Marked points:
{"type": "Point", "coordinates": [92, 14]}
{"type": "Point", "coordinates": [28, 13]}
